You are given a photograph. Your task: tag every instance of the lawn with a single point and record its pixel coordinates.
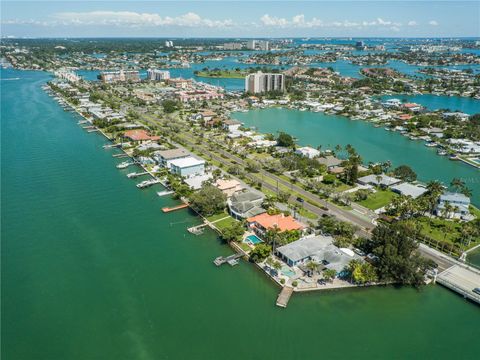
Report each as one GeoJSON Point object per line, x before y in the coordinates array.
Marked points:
{"type": "Point", "coordinates": [217, 216]}
{"type": "Point", "coordinates": [378, 199]}
{"type": "Point", "coordinates": [440, 229]}
{"type": "Point", "coordinates": [228, 74]}
{"type": "Point", "coordinates": [307, 214]}
{"type": "Point", "coordinates": [222, 224]}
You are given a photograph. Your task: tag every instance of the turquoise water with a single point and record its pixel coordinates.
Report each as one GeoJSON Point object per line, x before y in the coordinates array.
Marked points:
{"type": "Point", "coordinates": [433, 102]}
{"type": "Point", "coordinates": [92, 269]}
{"type": "Point", "coordinates": [373, 144]}
{"type": "Point", "coordinates": [254, 239]}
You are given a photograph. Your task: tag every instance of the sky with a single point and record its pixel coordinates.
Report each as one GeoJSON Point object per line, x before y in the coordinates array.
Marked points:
{"type": "Point", "coordinates": [226, 18]}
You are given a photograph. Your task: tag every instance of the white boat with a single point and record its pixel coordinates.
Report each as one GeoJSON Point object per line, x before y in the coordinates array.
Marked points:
{"type": "Point", "coordinates": [430, 144]}
{"type": "Point", "coordinates": [441, 152]}
{"type": "Point", "coordinates": [124, 165]}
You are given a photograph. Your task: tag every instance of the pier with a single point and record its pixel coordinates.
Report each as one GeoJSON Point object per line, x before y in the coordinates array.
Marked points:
{"type": "Point", "coordinates": [284, 296]}
{"type": "Point", "coordinates": [134, 175]}
{"type": "Point", "coordinates": [178, 207]}
{"type": "Point", "coordinates": [120, 155]}
{"type": "Point", "coordinates": [165, 193]}
{"type": "Point", "coordinates": [147, 183]}
{"type": "Point", "coordinates": [110, 146]}
{"type": "Point", "coordinates": [231, 260]}
{"type": "Point", "coordinates": [461, 280]}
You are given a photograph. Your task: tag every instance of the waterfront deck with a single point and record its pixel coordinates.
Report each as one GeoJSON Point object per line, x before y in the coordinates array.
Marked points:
{"type": "Point", "coordinates": [284, 296]}
{"type": "Point", "coordinates": [461, 280]}
{"type": "Point", "coordinates": [231, 260]}
{"type": "Point", "coordinates": [178, 207]}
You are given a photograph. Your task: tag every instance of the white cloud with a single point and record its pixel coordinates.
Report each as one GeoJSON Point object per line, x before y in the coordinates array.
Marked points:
{"type": "Point", "coordinates": [412, 23]}
{"type": "Point", "coordinates": [299, 21]}
{"type": "Point", "coordinates": [433, 23]}
{"type": "Point", "coordinates": [135, 19]}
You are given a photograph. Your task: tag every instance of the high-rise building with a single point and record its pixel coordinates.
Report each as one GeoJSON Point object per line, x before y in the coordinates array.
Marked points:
{"type": "Point", "coordinates": [232, 46]}
{"type": "Point", "coordinates": [168, 43]}
{"type": "Point", "coordinates": [259, 82]}
{"type": "Point", "coordinates": [251, 44]}
{"type": "Point", "coordinates": [263, 45]}
{"type": "Point", "coordinates": [158, 75]}
{"type": "Point", "coordinates": [121, 75]}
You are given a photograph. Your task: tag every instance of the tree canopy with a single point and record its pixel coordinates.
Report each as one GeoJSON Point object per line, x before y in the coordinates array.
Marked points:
{"type": "Point", "coordinates": [208, 200]}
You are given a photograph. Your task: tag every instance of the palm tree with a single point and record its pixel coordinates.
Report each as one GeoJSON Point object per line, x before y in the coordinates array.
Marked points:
{"type": "Point", "coordinates": [457, 184]}
{"type": "Point", "coordinates": [312, 266]}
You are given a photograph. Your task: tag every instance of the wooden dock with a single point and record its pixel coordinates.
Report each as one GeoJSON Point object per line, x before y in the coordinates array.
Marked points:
{"type": "Point", "coordinates": [284, 296]}
{"type": "Point", "coordinates": [231, 260]}
{"type": "Point", "coordinates": [178, 207]}
{"type": "Point", "coordinates": [134, 175]}
{"type": "Point", "coordinates": [120, 155]}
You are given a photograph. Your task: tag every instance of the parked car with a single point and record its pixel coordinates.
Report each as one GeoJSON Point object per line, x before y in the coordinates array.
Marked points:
{"type": "Point", "coordinates": [476, 291]}
{"type": "Point", "coordinates": [300, 200]}
{"type": "Point", "coordinates": [358, 252]}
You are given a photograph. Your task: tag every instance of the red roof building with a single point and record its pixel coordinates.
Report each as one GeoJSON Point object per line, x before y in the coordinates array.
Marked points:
{"type": "Point", "coordinates": [139, 135]}
{"type": "Point", "coordinates": [264, 222]}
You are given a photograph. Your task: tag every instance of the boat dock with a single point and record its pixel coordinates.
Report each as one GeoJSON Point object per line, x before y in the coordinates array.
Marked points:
{"type": "Point", "coordinates": [147, 183]}
{"type": "Point", "coordinates": [124, 164]}
{"type": "Point", "coordinates": [196, 230]}
{"type": "Point", "coordinates": [165, 192]}
{"type": "Point", "coordinates": [134, 175]}
{"type": "Point", "coordinates": [231, 260]}
{"type": "Point", "coordinates": [178, 207]}
{"type": "Point", "coordinates": [284, 296]}
{"type": "Point", "coordinates": [120, 155]}
{"type": "Point", "coordinates": [461, 280]}
{"type": "Point", "coordinates": [110, 146]}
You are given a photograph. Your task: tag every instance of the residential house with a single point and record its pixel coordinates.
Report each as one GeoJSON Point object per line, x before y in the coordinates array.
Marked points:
{"type": "Point", "coordinates": [245, 204]}
{"type": "Point", "coordinates": [228, 187]}
{"type": "Point", "coordinates": [165, 157]}
{"type": "Point", "coordinates": [460, 206]}
{"type": "Point", "coordinates": [260, 224]}
{"type": "Point", "coordinates": [379, 180]}
{"type": "Point", "coordinates": [308, 152]}
{"type": "Point", "coordinates": [187, 167]}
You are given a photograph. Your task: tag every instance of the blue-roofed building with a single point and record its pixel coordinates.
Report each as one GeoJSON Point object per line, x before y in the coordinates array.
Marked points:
{"type": "Point", "coordinates": [458, 201]}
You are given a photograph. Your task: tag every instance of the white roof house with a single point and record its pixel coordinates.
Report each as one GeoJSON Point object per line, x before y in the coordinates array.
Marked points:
{"type": "Point", "coordinates": [317, 248]}
{"type": "Point", "coordinates": [188, 167]}
{"type": "Point", "coordinates": [307, 152]}
{"type": "Point", "coordinates": [408, 189]}
{"type": "Point", "coordinates": [382, 180]}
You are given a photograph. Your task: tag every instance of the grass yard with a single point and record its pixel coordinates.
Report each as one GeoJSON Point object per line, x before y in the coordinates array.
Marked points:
{"type": "Point", "coordinates": [217, 216]}
{"type": "Point", "coordinates": [222, 224]}
{"type": "Point", "coordinates": [307, 214]}
{"type": "Point", "coordinates": [440, 229]}
{"type": "Point", "coordinates": [378, 199]}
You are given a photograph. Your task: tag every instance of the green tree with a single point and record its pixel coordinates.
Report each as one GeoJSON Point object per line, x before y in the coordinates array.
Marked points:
{"type": "Point", "coordinates": [285, 140]}
{"type": "Point", "coordinates": [233, 232]}
{"type": "Point", "coordinates": [208, 200]}
{"type": "Point", "coordinates": [261, 252]}
{"type": "Point", "coordinates": [405, 173]}
{"type": "Point", "coordinates": [329, 274]}
{"type": "Point", "coordinates": [396, 247]}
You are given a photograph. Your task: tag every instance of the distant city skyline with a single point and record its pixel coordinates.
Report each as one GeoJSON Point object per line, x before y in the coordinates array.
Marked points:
{"type": "Point", "coordinates": [240, 19]}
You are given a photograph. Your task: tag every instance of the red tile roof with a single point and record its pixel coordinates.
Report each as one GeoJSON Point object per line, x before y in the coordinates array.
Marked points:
{"type": "Point", "coordinates": [284, 223]}
{"type": "Point", "coordinates": [139, 135]}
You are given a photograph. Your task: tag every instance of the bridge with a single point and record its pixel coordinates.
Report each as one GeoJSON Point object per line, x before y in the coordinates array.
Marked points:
{"type": "Point", "coordinates": [462, 280]}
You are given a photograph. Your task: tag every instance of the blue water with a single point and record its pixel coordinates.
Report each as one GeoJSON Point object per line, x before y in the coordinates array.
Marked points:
{"type": "Point", "coordinates": [434, 102]}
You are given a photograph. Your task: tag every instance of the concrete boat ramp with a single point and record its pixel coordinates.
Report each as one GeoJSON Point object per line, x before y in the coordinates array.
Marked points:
{"type": "Point", "coordinates": [461, 280]}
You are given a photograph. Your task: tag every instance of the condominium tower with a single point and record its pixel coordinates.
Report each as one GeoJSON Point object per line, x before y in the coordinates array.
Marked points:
{"type": "Point", "coordinates": [259, 82]}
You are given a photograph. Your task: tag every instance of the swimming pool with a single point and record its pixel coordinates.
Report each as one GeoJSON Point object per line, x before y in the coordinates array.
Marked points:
{"type": "Point", "coordinates": [288, 272]}
{"type": "Point", "coordinates": [254, 239]}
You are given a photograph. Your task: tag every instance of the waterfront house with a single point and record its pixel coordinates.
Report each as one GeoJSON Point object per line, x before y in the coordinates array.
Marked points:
{"type": "Point", "coordinates": [308, 152]}
{"type": "Point", "coordinates": [260, 224]}
{"type": "Point", "coordinates": [316, 248]}
{"type": "Point", "coordinates": [408, 189]}
{"type": "Point", "coordinates": [460, 206]}
{"type": "Point", "coordinates": [228, 187]}
{"type": "Point", "coordinates": [245, 204]}
{"type": "Point", "coordinates": [139, 135]}
{"type": "Point", "coordinates": [187, 167]}
{"type": "Point", "coordinates": [231, 125]}
{"type": "Point", "coordinates": [165, 157]}
{"type": "Point", "coordinates": [329, 161]}
{"type": "Point", "coordinates": [378, 180]}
